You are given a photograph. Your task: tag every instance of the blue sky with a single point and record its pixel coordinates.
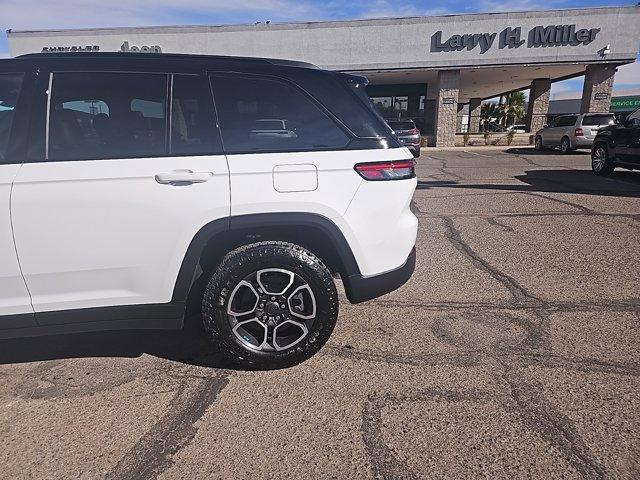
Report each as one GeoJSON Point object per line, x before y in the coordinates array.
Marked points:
{"type": "Point", "coordinates": [51, 14]}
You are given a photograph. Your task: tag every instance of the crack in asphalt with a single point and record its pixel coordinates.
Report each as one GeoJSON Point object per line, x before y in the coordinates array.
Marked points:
{"type": "Point", "coordinates": [577, 206]}
{"type": "Point", "coordinates": [496, 223]}
{"type": "Point", "coordinates": [541, 417]}
{"type": "Point", "coordinates": [471, 358]}
{"type": "Point", "coordinates": [384, 462]}
{"type": "Point", "coordinates": [429, 215]}
{"type": "Point", "coordinates": [519, 293]}
{"type": "Point", "coordinates": [621, 305]}
{"type": "Point", "coordinates": [152, 454]}
{"type": "Point", "coordinates": [465, 359]}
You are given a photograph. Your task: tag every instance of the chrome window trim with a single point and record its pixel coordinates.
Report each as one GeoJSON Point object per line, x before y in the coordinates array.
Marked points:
{"type": "Point", "coordinates": [46, 134]}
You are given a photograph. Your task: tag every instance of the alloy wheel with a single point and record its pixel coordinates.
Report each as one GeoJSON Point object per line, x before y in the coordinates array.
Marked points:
{"type": "Point", "coordinates": [599, 159]}
{"type": "Point", "coordinates": [271, 310]}
{"type": "Point", "coordinates": [538, 143]}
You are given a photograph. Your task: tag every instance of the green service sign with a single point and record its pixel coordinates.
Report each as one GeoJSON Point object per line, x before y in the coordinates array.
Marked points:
{"type": "Point", "coordinates": [625, 104]}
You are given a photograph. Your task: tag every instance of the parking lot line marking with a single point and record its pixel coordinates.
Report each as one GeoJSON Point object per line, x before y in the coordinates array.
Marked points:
{"type": "Point", "coordinates": [476, 153]}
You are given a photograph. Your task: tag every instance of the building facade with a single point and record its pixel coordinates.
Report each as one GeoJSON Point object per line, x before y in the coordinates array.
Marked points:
{"type": "Point", "coordinates": [425, 68]}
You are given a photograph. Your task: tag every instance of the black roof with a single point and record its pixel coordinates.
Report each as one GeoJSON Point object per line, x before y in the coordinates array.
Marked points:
{"type": "Point", "coordinates": [165, 56]}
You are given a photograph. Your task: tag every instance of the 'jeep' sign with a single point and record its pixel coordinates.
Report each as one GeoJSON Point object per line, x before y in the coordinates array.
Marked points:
{"type": "Point", "coordinates": [550, 36]}
{"type": "Point", "coordinates": [143, 49]}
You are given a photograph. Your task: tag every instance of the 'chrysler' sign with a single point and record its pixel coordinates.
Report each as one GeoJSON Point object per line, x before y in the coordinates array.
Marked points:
{"type": "Point", "coordinates": [551, 36]}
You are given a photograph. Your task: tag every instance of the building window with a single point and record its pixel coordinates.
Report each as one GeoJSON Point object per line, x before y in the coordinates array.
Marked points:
{"type": "Point", "coordinates": [392, 108]}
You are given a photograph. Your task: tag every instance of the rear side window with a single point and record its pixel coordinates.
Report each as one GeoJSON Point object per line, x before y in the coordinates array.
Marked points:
{"type": "Point", "coordinates": [346, 97]}
{"type": "Point", "coordinates": [10, 85]}
{"type": "Point", "coordinates": [402, 125]}
{"type": "Point", "coordinates": [107, 115]}
{"type": "Point", "coordinates": [567, 121]}
{"type": "Point", "coordinates": [267, 115]}
{"type": "Point", "coordinates": [596, 120]}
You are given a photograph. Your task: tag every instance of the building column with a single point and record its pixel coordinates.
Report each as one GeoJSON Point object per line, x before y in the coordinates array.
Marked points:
{"type": "Point", "coordinates": [596, 92]}
{"type": "Point", "coordinates": [475, 109]}
{"type": "Point", "coordinates": [538, 104]}
{"type": "Point", "coordinates": [447, 89]}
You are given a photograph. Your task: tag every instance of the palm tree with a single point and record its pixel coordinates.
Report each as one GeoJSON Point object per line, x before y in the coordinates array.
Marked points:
{"type": "Point", "coordinates": [489, 113]}
{"type": "Point", "coordinates": [513, 108]}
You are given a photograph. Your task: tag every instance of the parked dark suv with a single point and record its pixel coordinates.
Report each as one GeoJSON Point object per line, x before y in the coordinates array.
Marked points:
{"type": "Point", "coordinates": [408, 133]}
{"type": "Point", "coordinates": [617, 146]}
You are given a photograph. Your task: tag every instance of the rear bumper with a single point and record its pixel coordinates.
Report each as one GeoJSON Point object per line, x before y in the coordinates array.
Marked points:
{"type": "Point", "coordinates": [414, 149]}
{"type": "Point", "coordinates": [583, 142]}
{"type": "Point", "coordinates": [360, 288]}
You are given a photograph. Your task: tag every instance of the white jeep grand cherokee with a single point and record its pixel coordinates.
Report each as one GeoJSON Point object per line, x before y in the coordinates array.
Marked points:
{"type": "Point", "coordinates": [133, 187]}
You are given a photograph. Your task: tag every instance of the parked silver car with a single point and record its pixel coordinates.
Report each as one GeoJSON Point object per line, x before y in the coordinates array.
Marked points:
{"type": "Point", "coordinates": [570, 132]}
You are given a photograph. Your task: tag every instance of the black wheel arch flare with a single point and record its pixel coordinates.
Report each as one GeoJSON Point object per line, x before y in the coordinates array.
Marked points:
{"type": "Point", "coordinates": [224, 229]}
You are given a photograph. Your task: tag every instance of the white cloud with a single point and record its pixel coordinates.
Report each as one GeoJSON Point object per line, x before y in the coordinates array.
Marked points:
{"type": "Point", "coordinates": [5, 54]}
{"type": "Point", "coordinates": [386, 8]}
{"type": "Point", "coordinates": [515, 5]}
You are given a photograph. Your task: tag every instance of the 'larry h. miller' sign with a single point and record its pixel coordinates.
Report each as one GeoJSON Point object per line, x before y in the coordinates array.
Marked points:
{"type": "Point", "coordinates": [550, 36]}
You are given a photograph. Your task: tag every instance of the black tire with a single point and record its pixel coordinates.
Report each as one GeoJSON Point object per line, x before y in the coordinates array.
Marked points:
{"type": "Point", "coordinates": [245, 261]}
{"type": "Point", "coordinates": [538, 143]}
{"type": "Point", "coordinates": [565, 145]}
{"type": "Point", "coordinates": [601, 164]}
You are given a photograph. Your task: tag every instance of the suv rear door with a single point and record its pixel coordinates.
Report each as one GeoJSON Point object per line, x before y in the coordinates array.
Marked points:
{"type": "Point", "coordinates": [593, 122]}
{"type": "Point", "coordinates": [305, 169]}
{"type": "Point", "coordinates": [628, 139]}
{"type": "Point", "coordinates": [15, 303]}
{"type": "Point", "coordinates": [105, 215]}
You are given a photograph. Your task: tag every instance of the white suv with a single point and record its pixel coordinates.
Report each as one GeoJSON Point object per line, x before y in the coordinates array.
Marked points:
{"type": "Point", "coordinates": [133, 187]}
{"type": "Point", "coordinates": [570, 132]}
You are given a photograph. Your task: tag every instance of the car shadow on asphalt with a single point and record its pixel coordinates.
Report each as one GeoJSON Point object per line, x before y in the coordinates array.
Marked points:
{"type": "Point", "coordinates": [188, 346]}
{"type": "Point", "coordinates": [548, 151]}
{"type": "Point", "coordinates": [618, 184]}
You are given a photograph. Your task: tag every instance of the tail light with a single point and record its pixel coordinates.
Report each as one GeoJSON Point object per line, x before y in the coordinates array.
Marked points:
{"type": "Point", "coordinates": [396, 170]}
{"type": "Point", "coordinates": [579, 132]}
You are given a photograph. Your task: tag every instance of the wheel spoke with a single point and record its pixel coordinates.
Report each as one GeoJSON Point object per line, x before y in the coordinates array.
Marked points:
{"type": "Point", "coordinates": [242, 285]}
{"type": "Point", "coordinates": [298, 297]}
{"type": "Point", "coordinates": [256, 337]}
{"type": "Point", "coordinates": [274, 272]}
{"type": "Point", "coordinates": [290, 336]}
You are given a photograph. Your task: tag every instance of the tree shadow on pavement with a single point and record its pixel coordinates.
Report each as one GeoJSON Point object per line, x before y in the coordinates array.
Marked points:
{"type": "Point", "coordinates": [619, 184]}
{"type": "Point", "coordinates": [189, 346]}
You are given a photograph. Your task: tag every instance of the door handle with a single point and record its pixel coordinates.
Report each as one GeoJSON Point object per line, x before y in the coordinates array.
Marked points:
{"type": "Point", "coordinates": [182, 177]}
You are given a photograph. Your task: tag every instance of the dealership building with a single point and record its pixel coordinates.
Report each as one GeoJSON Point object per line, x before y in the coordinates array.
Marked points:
{"type": "Point", "coordinates": [425, 68]}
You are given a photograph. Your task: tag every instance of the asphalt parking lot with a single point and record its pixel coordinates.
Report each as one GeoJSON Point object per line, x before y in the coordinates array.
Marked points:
{"type": "Point", "coordinates": [514, 352]}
